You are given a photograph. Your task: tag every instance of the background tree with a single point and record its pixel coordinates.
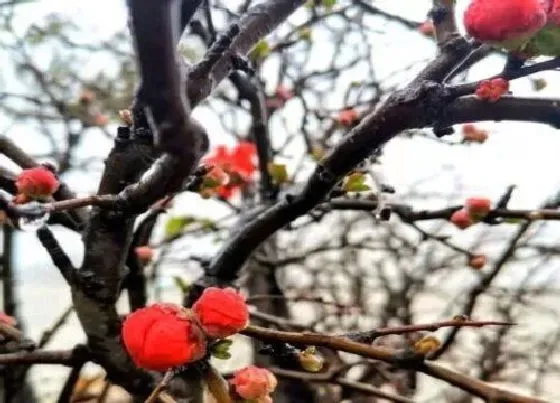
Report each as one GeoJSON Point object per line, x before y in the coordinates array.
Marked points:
{"type": "Point", "coordinates": [304, 231]}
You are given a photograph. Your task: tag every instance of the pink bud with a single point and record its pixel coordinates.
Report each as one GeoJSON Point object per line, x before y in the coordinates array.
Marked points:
{"type": "Point", "coordinates": [478, 207]}
{"type": "Point", "coordinates": [477, 262]}
{"type": "Point", "coordinates": [144, 253]}
{"type": "Point", "coordinates": [461, 219]}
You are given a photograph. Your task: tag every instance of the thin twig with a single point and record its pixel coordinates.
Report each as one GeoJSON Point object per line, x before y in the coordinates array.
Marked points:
{"type": "Point", "coordinates": [160, 386]}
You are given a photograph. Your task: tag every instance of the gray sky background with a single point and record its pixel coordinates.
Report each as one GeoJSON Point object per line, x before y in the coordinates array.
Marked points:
{"type": "Point", "coordinates": [516, 153]}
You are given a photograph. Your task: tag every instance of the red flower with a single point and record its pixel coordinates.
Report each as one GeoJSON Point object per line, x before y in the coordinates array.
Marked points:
{"type": "Point", "coordinates": [221, 312]}
{"type": "Point", "coordinates": [7, 319]}
{"type": "Point", "coordinates": [144, 253]}
{"type": "Point", "coordinates": [162, 336]}
{"type": "Point", "coordinates": [238, 163]}
{"type": "Point", "coordinates": [36, 183]}
{"type": "Point", "coordinates": [504, 20]}
{"type": "Point", "coordinates": [461, 219]}
{"type": "Point", "coordinates": [478, 207]}
{"type": "Point", "coordinates": [347, 117]}
{"type": "Point", "coordinates": [492, 90]}
{"type": "Point", "coordinates": [254, 383]}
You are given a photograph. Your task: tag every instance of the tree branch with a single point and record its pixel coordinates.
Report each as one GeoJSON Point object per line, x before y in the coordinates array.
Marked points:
{"type": "Point", "coordinates": [257, 22]}
{"type": "Point", "coordinates": [474, 386]}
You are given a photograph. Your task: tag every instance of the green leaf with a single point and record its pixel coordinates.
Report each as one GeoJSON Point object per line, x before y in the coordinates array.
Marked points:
{"type": "Point", "coordinates": [222, 356]}
{"type": "Point", "coordinates": [328, 4]}
{"type": "Point", "coordinates": [278, 173]}
{"type": "Point", "coordinates": [260, 51]}
{"type": "Point", "coordinates": [175, 225]}
{"type": "Point", "coordinates": [355, 183]}
{"type": "Point", "coordinates": [220, 349]}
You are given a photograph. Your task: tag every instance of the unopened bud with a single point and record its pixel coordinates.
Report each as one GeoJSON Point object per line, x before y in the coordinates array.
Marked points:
{"type": "Point", "coordinates": [426, 345]}
{"type": "Point", "coordinates": [310, 360]}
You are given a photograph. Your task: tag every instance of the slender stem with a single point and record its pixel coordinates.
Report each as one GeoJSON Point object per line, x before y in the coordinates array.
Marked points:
{"type": "Point", "coordinates": [217, 386]}
{"type": "Point", "coordinates": [160, 386]}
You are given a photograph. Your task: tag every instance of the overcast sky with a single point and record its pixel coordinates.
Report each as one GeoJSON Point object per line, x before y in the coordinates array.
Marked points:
{"type": "Point", "coordinates": [516, 153]}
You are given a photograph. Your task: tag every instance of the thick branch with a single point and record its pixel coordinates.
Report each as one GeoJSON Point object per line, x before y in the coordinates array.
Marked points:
{"type": "Point", "coordinates": [65, 357]}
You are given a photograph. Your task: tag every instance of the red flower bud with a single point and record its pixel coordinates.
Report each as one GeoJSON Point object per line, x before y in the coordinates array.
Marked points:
{"type": "Point", "coordinates": [473, 134]}
{"type": "Point", "coordinates": [221, 312]}
{"type": "Point", "coordinates": [36, 183]}
{"type": "Point", "coordinates": [254, 383]}
{"type": "Point", "coordinates": [469, 128]}
{"type": "Point", "coordinates": [500, 20]}
{"type": "Point", "coordinates": [347, 117]}
{"type": "Point", "coordinates": [478, 207]}
{"type": "Point", "coordinates": [461, 219]}
{"type": "Point", "coordinates": [144, 253]}
{"type": "Point", "coordinates": [492, 90]}
{"type": "Point", "coordinates": [427, 28]}
{"type": "Point", "coordinates": [477, 261]}
{"type": "Point", "coordinates": [163, 336]}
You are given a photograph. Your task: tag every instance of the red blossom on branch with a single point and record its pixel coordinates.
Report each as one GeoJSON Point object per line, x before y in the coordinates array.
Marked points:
{"type": "Point", "coordinates": [426, 28]}
{"type": "Point", "coordinates": [144, 253]}
{"type": "Point", "coordinates": [347, 117]}
{"type": "Point", "coordinates": [238, 163]}
{"type": "Point", "coordinates": [254, 383]}
{"type": "Point", "coordinates": [461, 219]}
{"type": "Point", "coordinates": [500, 20]}
{"type": "Point", "coordinates": [37, 183]}
{"type": "Point", "coordinates": [492, 90]}
{"type": "Point", "coordinates": [477, 261]}
{"type": "Point", "coordinates": [222, 312]}
{"type": "Point", "coordinates": [478, 207]}
{"type": "Point", "coordinates": [474, 210]}
{"type": "Point", "coordinates": [163, 336]}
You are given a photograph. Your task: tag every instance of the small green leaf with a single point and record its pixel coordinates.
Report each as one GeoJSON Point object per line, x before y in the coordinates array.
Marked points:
{"type": "Point", "coordinates": [260, 51]}
{"type": "Point", "coordinates": [278, 172]}
{"type": "Point", "coordinates": [355, 183]}
{"type": "Point", "coordinates": [513, 220]}
{"type": "Point", "coordinates": [328, 4]}
{"type": "Point", "coordinates": [175, 225]}
{"type": "Point", "coordinates": [222, 356]}
{"type": "Point", "coordinates": [220, 349]}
